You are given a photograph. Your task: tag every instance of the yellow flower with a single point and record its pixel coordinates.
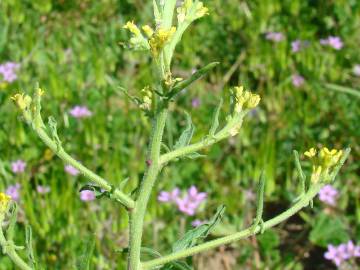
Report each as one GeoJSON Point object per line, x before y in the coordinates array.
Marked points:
{"type": "Point", "coordinates": [40, 92]}
{"type": "Point", "coordinates": [201, 10]}
{"type": "Point", "coordinates": [4, 202]}
{"type": "Point", "coordinates": [330, 158]}
{"type": "Point", "coordinates": [316, 173]}
{"type": "Point", "coordinates": [244, 99]}
{"type": "Point", "coordinates": [310, 153]}
{"type": "Point", "coordinates": [132, 28]}
{"type": "Point", "coordinates": [148, 31]}
{"type": "Point", "coordinates": [22, 101]}
{"type": "Point", "coordinates": [160, 38]}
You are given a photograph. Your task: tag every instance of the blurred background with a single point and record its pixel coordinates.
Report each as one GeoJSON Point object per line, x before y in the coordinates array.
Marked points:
{"type": "Point", "coordinates": [302, 57]}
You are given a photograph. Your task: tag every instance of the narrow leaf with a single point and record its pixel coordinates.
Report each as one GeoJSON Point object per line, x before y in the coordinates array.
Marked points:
{"type": "Point", "coordinates": [300, 171]}
{"type": "Point", "coordinates": [340, 164]}
{"type": "Point", "coordinates": [12, 222]}
{"type": "Point", "coordinates": [260, 200]}
{"type": "Point", "coordinates": [84, 260]}
{"type": "Point", "coordinates": [195, 155]}
{"type": "Point", "coordinates": [53, 131]}
{"type": "Point", "coordinates": [191, 237]}
{"type": "Point", "coordinates": [194, 77]}
{"type": "Point", "coordinates": [215, 120]}
{"type": "Point", "coordinates": [29, 246]}
{"type": "Point", "coordinates": [123, 183]}
{"type": "Point", "coordinates": [187, 134]}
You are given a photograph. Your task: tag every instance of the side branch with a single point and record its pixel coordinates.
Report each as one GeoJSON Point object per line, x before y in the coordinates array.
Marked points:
{"type": "Point", "coordinates": [230, 129]}
{"type": "Point", "coordinates": [236, 236]}
{"type": "Point", "coordinates": [60, 152]}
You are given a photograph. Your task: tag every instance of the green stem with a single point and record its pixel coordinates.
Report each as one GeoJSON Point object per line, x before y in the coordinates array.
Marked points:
{"type": "Point", "coordinates": [236, 236]}
{"type": "Point", "coordinates": [138, 213]}
{"type": "Point", "coordinates": [10, 251]}
{"type": "Point", "coordinates": [59, 151]}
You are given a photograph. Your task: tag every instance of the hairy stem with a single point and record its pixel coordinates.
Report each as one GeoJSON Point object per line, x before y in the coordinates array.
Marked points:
{"type": "Point", "coordinates": [236, 236]}
{"type": "Point", "coordinates": [138, 213]}
{"type": "Point", "coordinates": [9, 249]}
{"type": "Point", "coordinates": [59, 151]}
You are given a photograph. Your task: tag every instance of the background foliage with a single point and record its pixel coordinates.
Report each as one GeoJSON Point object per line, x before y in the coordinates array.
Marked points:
{"type": "Point", "coordinates": [74, 49]}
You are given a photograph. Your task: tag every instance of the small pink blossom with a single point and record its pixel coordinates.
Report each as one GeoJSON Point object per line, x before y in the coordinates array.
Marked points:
{"type": "Point", "coordinates": [195, 103]}
{"type": "Point", "coordinates": [333, 254]}
{"type": "Point", "coordinates": [191, 201]}
{"type": "Point", "coordinates": [43, 189]}
{"type": "Point", "coordinates": [71, 170]}
{"type": "Point", "coordinates": [8, 71]}
{"type": "Point", "coordinates": [328, 194]}
{"type": "Point", "coordinates": [87, 195]}
{"type": "Point", "coordinates": [297, 80]}
{"type": "Point", "coordinates": [80, 112]}
{"type": "Point", "coordinates": [332, 41]}
{"type": "Point", "coordinates": [169, 196]}
{"type": "Point", "coordinates": [18, 166]}
{"type": "Point", "coordinates": [14, 191]}
{"type": "Point", "coordinates": [274, 36]}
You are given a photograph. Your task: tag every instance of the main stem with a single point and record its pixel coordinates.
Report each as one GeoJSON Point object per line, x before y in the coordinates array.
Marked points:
{"type": "Point", "coordinates": [137, 214]}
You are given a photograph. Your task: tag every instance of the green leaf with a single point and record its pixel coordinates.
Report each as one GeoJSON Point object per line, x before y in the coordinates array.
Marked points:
{"type": "Point", "coordinates": [84, 260]}
{"type": "Point", "coordinates": [176, 265]}
{"type": "Point", "coordinates": [29, 246]}
{"type": "Point", "coordinates": [191, 237]}
{"type": "Point", "coordinates": [215, 120]}
{"type": "Point", "coordinates": [194, 77]}
{"type": "Point", "coordinates": [187, 134]}
{"type": "Point", "coordinates": [328, 230]}
{"type": "Point", "coordinates": [53, 131]}
{"type": "Point", "coordinates": [12, 222]}
{"type": "Point", "coordinates": [123, 183]}
{"type": "Point", "coordinates": [195, 155]}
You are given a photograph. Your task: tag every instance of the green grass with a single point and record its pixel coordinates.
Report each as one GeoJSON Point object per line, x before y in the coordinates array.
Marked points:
{"type": "Point", "coordinates": [74, 50]}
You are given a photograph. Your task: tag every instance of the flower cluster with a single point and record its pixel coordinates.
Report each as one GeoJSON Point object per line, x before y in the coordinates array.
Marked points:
{"type": "Point", "coordinates": [339, 254]}
{"type": "Point", "coordinates": [154, 40]}
{"type": "Point", "coordinates": [188, 204]}
{"type": "Point", "coordinates": [328, 194]}
{"type": "Point", "coordinates": [4, 202]}
{"type": "Point", "coordinates": [190, 11]}
{"type": "Point", "coordinates": [244, 99]}
{"type": "Point", "coordinates": [332, 41]}
{"type": "Point", "coordinates": [22, 101]}
{"type": "Point", "coordinates": [356, 70]}
{"type": "Point", "coordinates": [323, 161]}
{"type": "Point", "coordinates": [8, 71]}
{"type": "Point", "coordinates": [80, 112]}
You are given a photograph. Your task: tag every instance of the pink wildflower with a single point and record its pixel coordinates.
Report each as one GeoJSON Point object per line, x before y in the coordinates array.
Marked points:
{"type": "Point", "coordinates": [14, 191]}
{"type": "Point", "coordinates": [332, 41]}
{"type": "Point", "coordinates": [297, 80]}
{"type": "Point", "coordinates": [328, 195]}
{"type": "Point", "coordinates": [80, 112]}
{"type": "Point", "coordinates": [71, 170]}
{"type": "Point", "coordinates": [274, 36]}
{"type": "Point", "coordinates": [87, 195]}
{"type": "Point", "coordinates": [43, 189]}
{"type": "Point", "coordinates": [169, 196]}
{"type": "Point", "coordinates": [8, 71]}
{"type": "Point", "coordinates": [18, 166]}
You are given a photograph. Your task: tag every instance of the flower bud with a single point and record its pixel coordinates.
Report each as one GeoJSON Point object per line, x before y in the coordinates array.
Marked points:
{"type": "Point", "coordinates": [4, 202]}
{"type": "Point", "coordinates": [22, 101]}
